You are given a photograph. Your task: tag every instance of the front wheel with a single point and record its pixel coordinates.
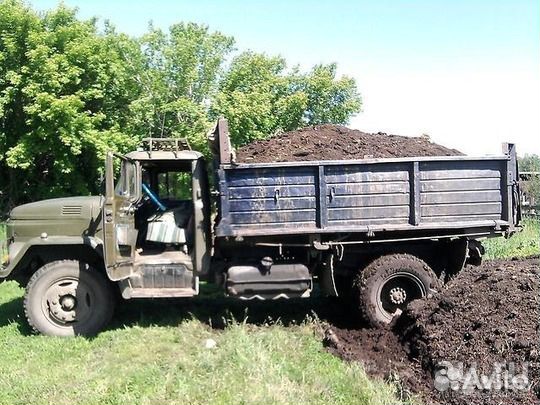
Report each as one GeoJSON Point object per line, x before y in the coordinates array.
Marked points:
{"type": "Point", "coordinates": [387, 285]}
{"type": "Point", "coordinates": [68, 298]}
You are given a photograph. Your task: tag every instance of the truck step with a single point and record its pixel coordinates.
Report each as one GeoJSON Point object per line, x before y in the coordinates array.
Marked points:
{"type": "Point", "coordinates": [129, 292]}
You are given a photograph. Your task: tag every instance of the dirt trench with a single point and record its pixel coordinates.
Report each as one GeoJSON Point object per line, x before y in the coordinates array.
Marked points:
{"type": "Point", "coordinates": [486, 317]}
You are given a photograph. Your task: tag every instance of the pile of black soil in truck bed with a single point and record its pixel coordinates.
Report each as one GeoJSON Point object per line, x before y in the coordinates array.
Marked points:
{"type": "Point", "coordinates": [336, 142]}
{"type": "Point", "coordinates": [481, 329]}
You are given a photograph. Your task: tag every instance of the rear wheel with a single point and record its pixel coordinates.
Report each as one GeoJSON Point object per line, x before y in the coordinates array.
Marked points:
{"type": "Point", "coordinates": [388, 284]}
{"type": "Point", "coordinates": [68, 298]}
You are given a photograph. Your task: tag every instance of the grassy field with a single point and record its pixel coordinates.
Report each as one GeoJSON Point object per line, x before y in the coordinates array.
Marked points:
{"type": "Point", "coordinates": [524, 243]}
{"type": "Point", "coordinates": [154, 353]}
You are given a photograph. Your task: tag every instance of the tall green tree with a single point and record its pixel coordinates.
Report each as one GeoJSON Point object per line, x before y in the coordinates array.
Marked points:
{"type": "Point", "coordinates": [69, 92]}
{"type": "Point", "coordinates": [330, 99]}
{"type": "Point", "coordinates": [63, 92]}
{"type": "Point", "coordinates": [259, 97]}
{"type": "Point", "coordinates": [178, 73]}
{"type": "Point", "coordinates": [72, 89]}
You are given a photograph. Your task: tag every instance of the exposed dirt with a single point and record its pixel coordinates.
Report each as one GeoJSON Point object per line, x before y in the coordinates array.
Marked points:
{"type": "Point", "coordinates": [488, 316]}
{"type": "Point", "coordinates": [336, 142]}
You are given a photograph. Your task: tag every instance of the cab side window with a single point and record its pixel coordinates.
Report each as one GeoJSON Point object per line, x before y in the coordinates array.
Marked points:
{"type": "Point", "coordinates": [126, 185]}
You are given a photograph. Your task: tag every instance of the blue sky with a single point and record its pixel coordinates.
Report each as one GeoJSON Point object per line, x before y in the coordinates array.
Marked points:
{"type": "Point", "coordinates": [465, 72]}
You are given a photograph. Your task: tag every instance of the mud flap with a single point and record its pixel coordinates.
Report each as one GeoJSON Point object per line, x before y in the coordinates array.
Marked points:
{"type": "Point", "coordinates": [327, 281]}
{"type": "Point", "coordinates": [475, 250]}
{"type": "Point", "coordinates": [456, 256]}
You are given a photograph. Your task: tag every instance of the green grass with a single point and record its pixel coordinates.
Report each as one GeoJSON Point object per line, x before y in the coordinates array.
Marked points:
{"type": "Point", "coordinates": [521, 244]}
{"type": "Point", "coordinates": [154, 353]}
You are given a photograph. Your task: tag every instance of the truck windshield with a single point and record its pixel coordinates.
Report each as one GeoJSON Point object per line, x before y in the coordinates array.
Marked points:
{"type": "Point", "coordinates": [125, 186]}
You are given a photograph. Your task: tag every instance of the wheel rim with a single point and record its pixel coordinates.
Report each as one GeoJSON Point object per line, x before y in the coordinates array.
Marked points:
{"type": "Point", "coordinates": [67, 301]}
{"type": "Point", "coordinates": [397, 291]}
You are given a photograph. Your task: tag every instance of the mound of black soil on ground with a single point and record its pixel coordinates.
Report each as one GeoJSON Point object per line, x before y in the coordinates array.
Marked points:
{"type": "Point", "coordinates": [336, 142]}
{"type": "Point", "coordinates": [481, 329]}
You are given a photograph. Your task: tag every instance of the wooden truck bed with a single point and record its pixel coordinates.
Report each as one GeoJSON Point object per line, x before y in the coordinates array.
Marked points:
{"type": "Point", "coordinates": [370, 195]}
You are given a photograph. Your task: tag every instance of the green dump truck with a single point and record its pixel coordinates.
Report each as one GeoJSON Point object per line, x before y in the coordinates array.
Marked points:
{"type": "Point", "coordinates": [384, 231]}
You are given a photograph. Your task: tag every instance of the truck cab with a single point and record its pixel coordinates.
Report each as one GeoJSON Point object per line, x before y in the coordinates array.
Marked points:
{"type": "Point", "coordinates": [156, 220]}
{"type": "Point", "coordinates": [148, 236]}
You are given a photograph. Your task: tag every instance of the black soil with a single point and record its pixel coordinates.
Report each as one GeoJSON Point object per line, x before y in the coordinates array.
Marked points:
{"type": "Point", "coordinates": [487, 315]}
{"type": "Point", "coordinates": [336, 142]}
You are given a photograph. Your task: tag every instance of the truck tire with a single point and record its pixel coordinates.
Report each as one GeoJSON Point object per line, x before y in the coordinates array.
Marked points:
{"type": "Point", "coordinates": [68, 298]}
{"type": "Point", "coordinates": [387, 285]}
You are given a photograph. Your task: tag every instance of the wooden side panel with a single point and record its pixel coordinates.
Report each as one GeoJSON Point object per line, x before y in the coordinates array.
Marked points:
{"type": "Point", "coordinates": [269, 198]}
{"type": "Point", "coordinates": [461, 191]}
{"type": "Point", "coordinates": [328, 197]}
{"type": "Point", "coordinates": [368, 194]}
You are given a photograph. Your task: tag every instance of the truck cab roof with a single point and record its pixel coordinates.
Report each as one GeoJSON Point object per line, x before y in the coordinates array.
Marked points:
{"type": "Point", "coordinates": [166, 151]}
{"type": "Point", "coordinates": [147, 155]}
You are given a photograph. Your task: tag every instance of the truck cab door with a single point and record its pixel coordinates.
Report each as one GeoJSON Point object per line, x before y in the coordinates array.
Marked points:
{"type": "Point", "coordinates": [121, 198]}
{"type": "Point", "coordinates": [201, 216]}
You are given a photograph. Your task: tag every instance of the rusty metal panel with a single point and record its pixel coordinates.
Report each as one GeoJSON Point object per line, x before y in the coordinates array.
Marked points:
{"type": "Point", "coordinates": [370, 200]}
{"type": "Point", "coordinates": [403, 194]}
{"type": "Point", "coordinates": [269, 204]}
{"type": "Point", "coordinates": [461, 219]}
{"type": "Point", "coordinates": [433, 210]}
{"type": "Point", "coordinates": [414, 185]}
{"type": "Point", "coordinates": [274, 217]}
{"type": "Point", "coordinates": [368, 193]}
{"type": "Point", "coordinates": [452, 185]}
{"type": "Point", "coordinates": [269, 198]}
{"type": "Point", "coordinates": [271, 177]}
{"type": "Point", "coordinates": [366, 174]}
{"type": "Point", "coordinates": [461, 191]}
{"type": "Point", "coordinates": [351, 223]}
{"type": "Point", "coordinates": [240, 193]}
{"type": "Point", "coordinates": [322, 203]}
{"type": "Point", "coordinates": [382, 212]}
{"type": "Point", "coordinates": [469, 196]}
{"type": "Point", "coordinates": [382, 188]}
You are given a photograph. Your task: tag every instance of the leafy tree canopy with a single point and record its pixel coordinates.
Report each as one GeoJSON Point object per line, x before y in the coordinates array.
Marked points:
{"type": "Point", "coordinates": [531, 163]}
{"type": "Point", "coordinates": [259, 96]}
{"type": "Point", "coordinates": [71, 89]}
{"type": "Point", "coordinates": [64, 90]}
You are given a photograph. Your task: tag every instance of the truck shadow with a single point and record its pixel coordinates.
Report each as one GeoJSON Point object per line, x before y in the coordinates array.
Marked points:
{"type": "Point", "coordinates": [220, 312]}
{"type": "Point", "coordinates": [12, 312]}
{"type": "Point", "coordinates": [214, 311]}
